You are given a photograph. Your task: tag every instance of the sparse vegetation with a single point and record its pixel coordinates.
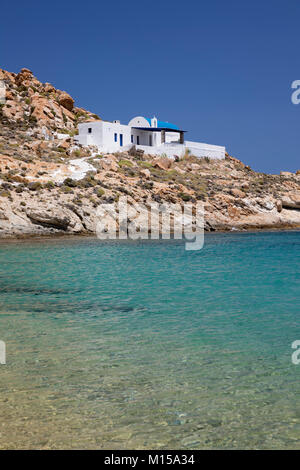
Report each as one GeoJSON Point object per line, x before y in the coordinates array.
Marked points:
{"type": "Point", "coordinates": [185, 197]}
{"type": "Point", "coordinates": [125, 163]}
{"type": "Point", "coordinates": [35, 186]}
{"type": "Point", "coordinates": [100, 192]}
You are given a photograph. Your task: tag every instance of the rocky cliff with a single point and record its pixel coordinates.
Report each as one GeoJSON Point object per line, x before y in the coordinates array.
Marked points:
{"type": "Point", "coordinates": [51, 185]}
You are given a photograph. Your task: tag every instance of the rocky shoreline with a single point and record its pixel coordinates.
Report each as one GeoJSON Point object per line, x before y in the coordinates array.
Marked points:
{"type": "Point", "coordinates": [51, 186]}
{"type": "Point", "coordinates": [48, 238]}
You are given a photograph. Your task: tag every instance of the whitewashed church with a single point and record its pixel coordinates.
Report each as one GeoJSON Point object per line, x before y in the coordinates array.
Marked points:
{"type": "Point", "coordinates": [151, 135]}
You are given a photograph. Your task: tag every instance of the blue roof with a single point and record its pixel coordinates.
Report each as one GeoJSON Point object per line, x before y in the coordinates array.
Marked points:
{"type": "Point", "coordinates": [163, 124]}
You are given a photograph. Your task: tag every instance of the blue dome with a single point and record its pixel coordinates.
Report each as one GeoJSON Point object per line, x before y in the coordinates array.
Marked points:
{"type": "Point", "coordinates": [165, 124]}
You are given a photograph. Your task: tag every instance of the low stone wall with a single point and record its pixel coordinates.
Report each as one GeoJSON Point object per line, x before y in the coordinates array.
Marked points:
{"type": "Point", "coordinates": [196, 148]}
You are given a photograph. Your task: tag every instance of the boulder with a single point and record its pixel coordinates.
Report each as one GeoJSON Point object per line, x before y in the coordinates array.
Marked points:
{"type": "Point", "coordinates": [24, 75]}
{"type": "Point", "coordinates": [9, 95]}
{"type": "Point", "coordinates": [195, 166]}
{"type": "Point", "coordinates": [49, 88]}
{"type": "Point", "coordinates": [179, 170]}
{"type": "Point", "coordinates": [64, 144]}
{"type": "Point", "coordinates": [164, 163]}
{"type": "Point", "coordinates": [24, 70]}
{"type": "Point", "coordinates": [49, 219]}
{"type": "Point", "coordinates": [109, 163]}
{"type": "Point", "coordinates": [291, 202]}
{"type": "Point", "coordinates": [134, 152]}
{"type": "Point", "coordinates": [145, 172]}
{"type": "Point", "coordinates": [237, 193]}
{"type": "Point", "coordinates": [66, 101]}
{"type": "Point", "coordinates": [269, 205]}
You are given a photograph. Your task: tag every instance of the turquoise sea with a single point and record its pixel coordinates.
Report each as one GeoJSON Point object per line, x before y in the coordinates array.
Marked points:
{"type": "Point", "coordinates": [143, 345]}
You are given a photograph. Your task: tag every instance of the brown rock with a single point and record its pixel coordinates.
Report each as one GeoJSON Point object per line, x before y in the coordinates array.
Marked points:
{"type": "Point", "coordinates": [9, 95]}
{"type": "Point", "coordinates": [48, 112]}
{"type": "Point", "coordinates": [194, 167]}
{"type": "Point", "coordinates": [24, 70]}
{"type": "Point", "coordinates": [66, 101]}
{"type": "Point", "coordinates": [179, 170]}
{"type": "Point", "coordinates": [109, 163]}
{"type": "Point", "coordinates": [237, 193]}
{"type": "Point", "coordinates": [279, 206]}
{"type": "Point", "coordinates": [41, 108]}
{"type": "Point", "coordinates": [13, 110]}
{"type": "Point", "coordinates": [49, 88]}
{"type": "Point", "coordinates": [24, 76]}
{"type": "Point", "coordinates": [64, 144]}
{"type": "Point", "coordinates": [233, 212]}
{"type": "Point", "coordinates": [164, 163]}
{"type": "Point", "coordinates": [234, 160]}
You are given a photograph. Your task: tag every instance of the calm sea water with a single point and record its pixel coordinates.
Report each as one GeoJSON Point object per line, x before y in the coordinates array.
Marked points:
{"type": "Point", "coordinates": [138, 345]}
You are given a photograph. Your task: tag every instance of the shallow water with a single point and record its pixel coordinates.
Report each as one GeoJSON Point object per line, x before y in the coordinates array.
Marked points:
{"type": "Point", "coordinates": [138, 345]}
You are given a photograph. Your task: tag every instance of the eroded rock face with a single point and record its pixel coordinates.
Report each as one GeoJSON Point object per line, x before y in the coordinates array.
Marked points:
{"type": "Point", "coordinates": [36, 104]}
{"type": "Point", "coordinates": [49, 219]}
{"type": "Point", "coordinates": [291, 202]}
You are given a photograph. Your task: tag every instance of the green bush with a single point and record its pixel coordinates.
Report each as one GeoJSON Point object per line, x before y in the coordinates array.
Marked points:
{"type": "Point", "coordinates": [76, 153]}
{"type": "Point", "coordinates": [34, 186]}
{"type": "Point", "coordinates": [67, 190]}
{"type": "Point", "coordinates": [88, 182]}
{"type": "Point", "coordinates": [49, 185]}
{"type": "Point", "coordinates": [32, 119]}
{"type": "Point", "coordinates": [70, 182]}
{"type": "Point", "coordinates": [144, 164]}
{"type": "Point", "coordinates": [4, 193]}
{"type": "Point", "coordinates": [100, 192]}
{"type": "Point", "coordinates": [185, 197]}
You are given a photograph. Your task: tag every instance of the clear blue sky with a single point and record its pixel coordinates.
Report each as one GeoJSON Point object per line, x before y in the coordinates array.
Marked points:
{"type": "Point", "coordinates": [220, 69]}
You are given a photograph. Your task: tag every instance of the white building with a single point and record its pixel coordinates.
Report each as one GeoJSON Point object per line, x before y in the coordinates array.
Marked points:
{"type": "Point", "coordinates": [153, 136]}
